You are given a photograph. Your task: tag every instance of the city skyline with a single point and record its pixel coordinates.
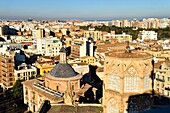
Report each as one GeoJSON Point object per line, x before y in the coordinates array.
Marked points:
{"type": "Point", "coordinates": [84, 10]}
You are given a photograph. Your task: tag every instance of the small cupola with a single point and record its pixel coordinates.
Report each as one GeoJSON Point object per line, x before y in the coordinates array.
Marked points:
{"type": "Point", "coordinates": [63, 58]}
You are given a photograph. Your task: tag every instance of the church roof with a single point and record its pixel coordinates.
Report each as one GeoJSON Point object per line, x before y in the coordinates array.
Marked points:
{"type": "Point", "coordinates": [63, 50]}
{"type": "Point", "coordinates": [63, 71]}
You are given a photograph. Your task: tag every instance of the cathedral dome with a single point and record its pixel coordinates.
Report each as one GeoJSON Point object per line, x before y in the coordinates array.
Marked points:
{"type": "Point", "coordinates": [63, 71]}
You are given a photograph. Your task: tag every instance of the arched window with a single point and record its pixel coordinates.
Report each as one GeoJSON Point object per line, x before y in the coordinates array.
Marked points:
{"type": "Point", "coordinates": [146, 82]}
{"type": "Point", "coordinates": [131, 80]}
{"type": "Point", "coordinates": [112, 106]}
{"type": "Point", "coordinates": [114, 82]}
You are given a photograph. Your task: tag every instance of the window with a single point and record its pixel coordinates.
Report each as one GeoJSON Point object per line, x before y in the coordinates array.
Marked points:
{"type": "Point", "coordinates": [26, 91]}
{"type": "Point", "coordinates": [114, 82]}
{"type": "Point", "coordinates": [18, 74]}
{"type": "Point", "coordinates": [10, 61]}
{"type": "Point", "coordinates": [10, 79]}
{"type": "Point", "coordinates": [131, 80]}
{"type": "Point", "coordinates": [33, 95]}
{"type": "Point", "coordinates": [146, 83]}
{"type": "Point", "coordinates": [11, 84]}
{"type": "Point", "coordinates": [162, 85]}
{"type": "Point", "coordinates": [57, 88]}
{"type": "Point", "coordinates": [168, 78]}
{"type": "Point", "coordinates": [73, 87]}
{"type": "Point", "coordinates": [10, 74]}
{"type": "Point", "coordinates": [162, 77]}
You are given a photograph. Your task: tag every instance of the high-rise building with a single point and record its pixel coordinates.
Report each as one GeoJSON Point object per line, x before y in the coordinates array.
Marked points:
{"type": "Point", "coordinates": [82, 47]}
{"type": "Point", "coordinates": [7, 71]}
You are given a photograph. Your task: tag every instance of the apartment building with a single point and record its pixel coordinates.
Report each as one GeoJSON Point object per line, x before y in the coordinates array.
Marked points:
{"type": "Point", "coordinates": [147, 35]}
{"type": "Point", "coordinates": [82, 47]}
{"type": "Point", "coordinates": [49, 46]}
{"type": "Point", "coordinates": [162, 78]}
{"type": "Point", "coordinates": [44, 67]}
{"type": "Point", "coordinates": [88, 59]}
{"type": "Point", "coordinates": [25, 72]}
{"type": "Point", "coordinates": [123, 37]}
{"type": "Point", "coordinates": [7, 71]}
{"type": "Point", "coordinates": [96, 35]}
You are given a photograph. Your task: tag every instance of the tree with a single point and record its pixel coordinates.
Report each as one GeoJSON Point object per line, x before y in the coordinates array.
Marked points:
{"type": "Point", "coordinates": [18, 89]}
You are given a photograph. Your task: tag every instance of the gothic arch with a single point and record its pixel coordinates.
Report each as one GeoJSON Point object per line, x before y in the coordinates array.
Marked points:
{"type": "Point", "coordinates": [112, 106]}
{"type": "Point", "coordinates": [131, 80]}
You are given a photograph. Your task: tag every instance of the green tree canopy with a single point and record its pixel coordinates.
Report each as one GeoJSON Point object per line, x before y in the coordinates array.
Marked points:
{"type": "Point", "coordinates": [18, 89]}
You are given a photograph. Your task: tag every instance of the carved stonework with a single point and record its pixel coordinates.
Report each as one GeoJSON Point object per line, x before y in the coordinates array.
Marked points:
{"type": "Point", "coordinates": [112, 106]}
{"type": "Point", "coordinates": [131, 71]}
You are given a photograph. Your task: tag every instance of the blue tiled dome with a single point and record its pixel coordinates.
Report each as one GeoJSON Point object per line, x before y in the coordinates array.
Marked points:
{"type": "Point", "coordinates": [63, 71]}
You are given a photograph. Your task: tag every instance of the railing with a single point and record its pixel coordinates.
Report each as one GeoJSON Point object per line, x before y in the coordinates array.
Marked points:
{"type": "Point", "coordinates": [52, 92]}
{"type": "Point", "coordinates": [4, 75]}
{"type": "Point", "coordinates": [161, 80]}
{"type": "Point", "coordinates": [167, 88]}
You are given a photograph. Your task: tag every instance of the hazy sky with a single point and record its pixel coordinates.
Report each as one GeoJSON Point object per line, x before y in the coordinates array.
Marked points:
{"type": "Point", "coordinates": [83, 9]}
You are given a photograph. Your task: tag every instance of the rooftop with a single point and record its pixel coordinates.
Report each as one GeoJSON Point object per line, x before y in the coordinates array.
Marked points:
{"type": "Point", "coordinates": [75, 109]}
{"type": "Point", "coordinates": [34, 84]}
{"type": "Point", "coordinates": [128, 55]}
{"type": "Point", "coordinates": [63, 71]}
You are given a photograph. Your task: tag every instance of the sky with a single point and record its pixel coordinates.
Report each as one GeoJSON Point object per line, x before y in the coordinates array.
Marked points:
{"type": "Point", "coordinates": [83, 9]}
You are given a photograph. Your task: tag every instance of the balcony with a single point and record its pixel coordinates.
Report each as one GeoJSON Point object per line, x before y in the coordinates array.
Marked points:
{"type": "Point", "coordinates": [167, 88]}
{"type": "Point", "coordinates": [160, 80]}
{"type": "Point", "coordinates": [5, 80]}
{"type": "Point", "coordinates": [4, 75]}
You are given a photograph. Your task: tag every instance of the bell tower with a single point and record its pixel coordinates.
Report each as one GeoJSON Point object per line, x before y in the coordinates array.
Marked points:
{"type": "Point", "coordinates": [63, 58]}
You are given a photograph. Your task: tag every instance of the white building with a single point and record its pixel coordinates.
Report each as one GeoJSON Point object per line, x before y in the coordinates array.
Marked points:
{"type": "Point", "coordinates": [25, 71]}
{"type": "Point", "coordinates": [147, 35]}
{"type": "Point", "coordinates": [164, 22]}
{"type": "Point", "coordinates": [48, 46]}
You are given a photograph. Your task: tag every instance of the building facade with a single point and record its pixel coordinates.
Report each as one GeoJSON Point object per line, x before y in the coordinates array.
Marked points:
{"type": "Point", "coordinates": [127, 75]}
{"type": "Point", "coordinates": [147, 35]}
{"type": "Point", "coordinates": [7, 71]}
{"type": "Point", "coordinates": [25, 72]}
{"type": "Point", "coordinates": [57, 86]}
{"type": "Point", "coordinates": [162, 79]}
{"type": "Point", "coordinates": [48, 46]}
{"type": "Point", "coordinates": [82, 47]}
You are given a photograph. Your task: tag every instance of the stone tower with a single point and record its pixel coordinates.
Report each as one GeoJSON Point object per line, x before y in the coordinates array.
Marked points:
{"type": "Point", "coordinates": [127, 79]}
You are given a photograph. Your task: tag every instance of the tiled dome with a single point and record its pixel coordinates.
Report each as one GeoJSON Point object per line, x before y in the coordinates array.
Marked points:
{"type": "Point", "coordinates": [63, 71]}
